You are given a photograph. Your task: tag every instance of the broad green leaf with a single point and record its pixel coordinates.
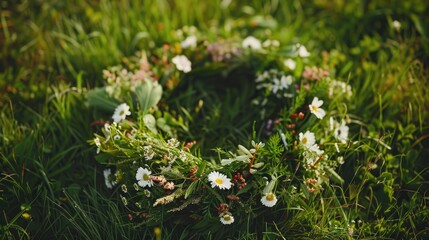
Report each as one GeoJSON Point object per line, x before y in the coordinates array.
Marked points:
{"type": "Point", "coordinates": [150, 122]}
{"type": "Point", "coordinates": [148, 94]}
{"type": "Point", "coordinates": [98, 98]}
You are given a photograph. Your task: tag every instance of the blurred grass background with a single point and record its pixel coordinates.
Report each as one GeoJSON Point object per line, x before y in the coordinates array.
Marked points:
{"type": "Point", "coordinates": [52, 51]}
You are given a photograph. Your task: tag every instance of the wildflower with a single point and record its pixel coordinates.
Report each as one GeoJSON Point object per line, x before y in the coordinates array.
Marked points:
{"type": "Point", "coordinates": [302, 51]}
{"type": "Point", "coordinates": [314, 73]}
{"type": "Point", "coordinates": [173, 143]}
{"type": "Point", "coordinates": [116, 137]}
{"type": "Point", "coordinates": [307, 139]}
{"type": "Point", "coordinates": [169, 186]}
{"type": "Point", "coordinates": [396, 25]}
{"type": "Point", "coordinates": [315, 108]}
{"type": "Point", "coordinates": [190, 41]}
{"type": "Point", "coordinates": [148, 152]}
{"type": "Point", "coordinates": [251, 42]}
{"type": "Point", "coordinates": [227, 219]}
{"type": "Point", "coordinates": [107, 178]}
{"type": "Point", "coordinates": [220, 180]}
{"type": "Point", "coordinates": [290, 63]}
{"type": "Point", "coordinates": [269, 199]}
{"type": "Point", "coordinates": [182, 63]}
{"type": "Point", "coordinates": [136, 186]}
{"type": "Point", "coordinates": [182, 155]}
{"type": "Point", "coordinates": [98, 144]}
{"type": "Point", "coordinates": [281, 84]}
{"type": "Point", "coordinates": [143, 177]}
{"type": "Point", "coordinates": [341, 133]}
{"type": "Point", "coordinates": [121, 112]}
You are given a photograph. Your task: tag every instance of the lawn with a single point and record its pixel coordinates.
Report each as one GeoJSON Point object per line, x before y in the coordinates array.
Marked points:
{"type": "Point", "coordinates": [214, 119]}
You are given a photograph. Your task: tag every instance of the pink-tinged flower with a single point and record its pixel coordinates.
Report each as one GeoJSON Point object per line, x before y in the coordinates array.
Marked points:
{"type": "Point", "coordinates": [315, 108]}
{"type": "Point", "coordinates": [169, 186]}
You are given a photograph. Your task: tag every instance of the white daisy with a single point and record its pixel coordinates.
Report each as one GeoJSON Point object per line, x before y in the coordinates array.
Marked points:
{"type": "Point", "coordinates": [227, 219]}
{"type": "Point", "coordinates": [269, 199]}
{"type": "Point", "coordinates": [220, 180]}
{"type": "Point", "coordinates": [121, 112]}
{"type": "Point", "coordinates": [290, 63]}
{"type": "Point", "coordinates": [251, 42]}
{"type": "Point", "coordinates": [143, 177]}
{"type": "Point", "coordinates": [190, 41]}
{"type": "Point", "coordinates": [107, 178]}
{"type": "Point", "coordinates": [307, 139]}
{"type": "Point", "coordinates": [182, 63]}
{"type": "Point", "coordinates": [315, 108]}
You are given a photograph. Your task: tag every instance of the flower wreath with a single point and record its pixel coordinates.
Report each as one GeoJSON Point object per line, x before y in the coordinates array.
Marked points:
{"type": "Point", "coordinates": [159, 177]}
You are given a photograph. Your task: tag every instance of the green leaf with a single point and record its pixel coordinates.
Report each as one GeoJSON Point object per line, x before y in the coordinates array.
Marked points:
{"type": "Point", "coordinates": [335, 175]}
{"type": "Point", "coordinates": [99, 98]}
{"type": "Point", "coordinates": [191, 188]}
{"type": "Point", "coordinates": [148, 94]}
{"type": "Point", "coordinates": [150, 122]}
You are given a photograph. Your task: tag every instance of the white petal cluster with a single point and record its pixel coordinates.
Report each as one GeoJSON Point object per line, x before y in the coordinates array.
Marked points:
{"type": "Point", "coordinates": [182, 63]}
{"type": "Point", "coordinates": [219, 180]}
{"type": "Point", "coordinates": [315, 108]}
{"type": "Point", "coordinates": [143, 177]}
{"type": "Point", "coordinates": [121, 112]}
{"type": "Point", "coordinates": [227, 219]}
{"type": "Point", "coordinates": [269, 199]}
{"type": "Point", "coordinates": [251, 42]}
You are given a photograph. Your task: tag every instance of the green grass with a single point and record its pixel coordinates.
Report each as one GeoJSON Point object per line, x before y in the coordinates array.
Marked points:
{"type": "Point", "coordinates": [54, 51]}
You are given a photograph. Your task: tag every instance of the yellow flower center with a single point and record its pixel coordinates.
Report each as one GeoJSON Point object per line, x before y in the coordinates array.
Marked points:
{"type": "Point", "coordinates": [315, 108]}
{"type": "Point", "coordinates": [270, 197]}
{"type": "Point", "coordinates": [227, 218]}
{"type": "Point", "coordinates": [145, 177]}
{"type": "Point", "coordinates": [304, 140]}
{"type": "Point", "coordinates": [218, 181]}
{"type": "Point", "coordinates": [122, 112]}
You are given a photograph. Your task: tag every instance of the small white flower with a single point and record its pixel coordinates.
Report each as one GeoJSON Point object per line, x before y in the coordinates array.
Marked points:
{"type": "Point", "coordinates": [190, 41]}
{"type": "Point", "coordinates": [173, 143]}
{"type": "Point", "coordinates": [116, 137]}
{"type": "Point", "coordinates": [302, 51]}
{"type": "Point", "coordinates": [396, 25]}
{"type": "Point", "coordinates": [315, 108]}
{"type": "Point", "coordinates": [143, 177]}
{"type": "Point", "coordinates": [107, 178]}
{"type": "Point", "coordinates": [182, 63]}
{"type": "Point", "coordinates": [97, 142]}
{"type": "Point", "coordinates": [227, 219]}
{"type": "Point", "coordinates": [219, 180]}
{"type": "Point", "coordinates": [307, 139]}
{"type": "Point", "coordinates": [290, 63]}
{"type": "Point", "coordinates": [121, 112]}
{"type": "Point", "coordinates": [269, 199]}
{"type": "Point", "coordinates": [251, 42]}
{"type": "Point", "coordinates": [341, 132]}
